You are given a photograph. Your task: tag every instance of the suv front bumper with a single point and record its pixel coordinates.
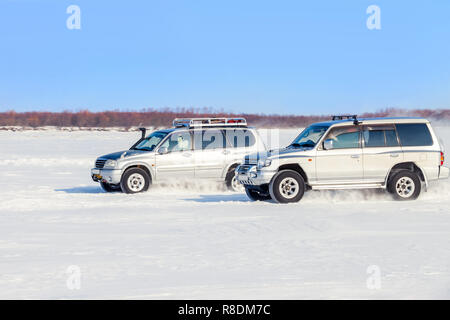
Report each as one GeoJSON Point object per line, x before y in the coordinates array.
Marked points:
{"type": "Point", "coordinates": [248, 175]}
{"type": "Point", "coordinates": [443, 172]}
{"type": "Point", "coordinates": [111, 176]}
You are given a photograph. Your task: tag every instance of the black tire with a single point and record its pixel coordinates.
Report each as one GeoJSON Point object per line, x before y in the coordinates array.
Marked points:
{"type": "Point", "coordinates": [256, 196]}
{"type": "Point", "coordinates": [107, 187]}
{"type": "Point", "coordinates": [139, 178]}
{"type": "Point", "coordinates": [294, 183]}
{"type": "Point", "coordinates": [390, 186]}
{"type": "Point", "coordinates": [405, 185]}
{"type": "Point", "coordinates": [231, 183]}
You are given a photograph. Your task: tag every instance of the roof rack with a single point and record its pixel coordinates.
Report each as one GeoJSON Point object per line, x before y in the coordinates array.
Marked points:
{"type": "Point", "coordinates": [209, 122]}
{"type": "Point", "coordinates": [353, 117]}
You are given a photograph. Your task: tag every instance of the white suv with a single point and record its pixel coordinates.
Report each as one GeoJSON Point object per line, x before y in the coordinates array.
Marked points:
{"type": "Point", "coordinates": [198, 148]}
{"type": "Point", "coordinates": [396, 154]}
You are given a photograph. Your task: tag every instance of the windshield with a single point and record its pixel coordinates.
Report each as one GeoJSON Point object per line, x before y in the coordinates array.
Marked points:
{"type": "Point", "coordinates": [149, 143]}
{"type": "Point", "coordinates": [309, 137]}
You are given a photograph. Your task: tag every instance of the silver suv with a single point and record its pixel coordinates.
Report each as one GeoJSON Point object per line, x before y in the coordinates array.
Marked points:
{"type": "Point", "coordinates": [199, 148]}
{"type": "Point", "coordinates": [396, 154]}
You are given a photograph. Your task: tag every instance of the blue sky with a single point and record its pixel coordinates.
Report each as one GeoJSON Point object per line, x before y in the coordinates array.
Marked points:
{"type": "Point", "coordinates": [290, 57]}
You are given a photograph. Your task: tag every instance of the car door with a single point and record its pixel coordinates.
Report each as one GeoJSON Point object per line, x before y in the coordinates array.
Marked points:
{"type": "Point", "coordinates": [209, 153]}
{"type": "Point", "coordinates": [381, 151]}
{"type": "Point", "coordinates": [178, 162]}
{"type": "Point", "coordinates": [342, 163]}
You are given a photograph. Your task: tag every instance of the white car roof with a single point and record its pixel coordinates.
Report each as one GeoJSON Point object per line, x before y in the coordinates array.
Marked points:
{"type": "Point", "coordinates": [374, 121]}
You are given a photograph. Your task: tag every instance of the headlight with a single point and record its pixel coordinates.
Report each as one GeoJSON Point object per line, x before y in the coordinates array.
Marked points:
{"type": "Point", "coordinates": [110, 163]}
{"type": "Point", "coordinates": [264, 163]}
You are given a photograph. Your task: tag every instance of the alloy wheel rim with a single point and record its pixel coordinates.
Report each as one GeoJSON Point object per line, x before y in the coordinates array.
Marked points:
{"type": "Point", "coordinates": [236, 185]}
{"type": "Point", "coordinates": [405, 187]}
{"type": "Point", "coordinates": [136, 182]}
{"type": "Point", "coordinates": [289, 188]}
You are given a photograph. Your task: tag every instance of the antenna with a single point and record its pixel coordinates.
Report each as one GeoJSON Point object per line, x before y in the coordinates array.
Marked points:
{"type": "Point", "coordinates": [143, 131]}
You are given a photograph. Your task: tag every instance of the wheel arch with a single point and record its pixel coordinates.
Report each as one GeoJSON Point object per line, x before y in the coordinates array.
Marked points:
{"type": "Point", "coordinates": [295, 167]}
{"type": "Point", "coordinates": [140, 166]}
{"type": "Point", "coordinates": [408, 165]}
{"type": "Point", "coordinates": [229, 167]}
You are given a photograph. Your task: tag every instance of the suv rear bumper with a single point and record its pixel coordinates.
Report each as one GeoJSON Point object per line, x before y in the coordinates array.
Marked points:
{"type": "Point", "coordinates": [443, 172]}
{"type": "Point", "coordinates": [107, 175]}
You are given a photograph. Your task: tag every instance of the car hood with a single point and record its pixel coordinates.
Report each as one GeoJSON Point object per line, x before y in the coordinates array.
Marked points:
{"type": "Point", "coordinates": [288, 150]}
{"type": "Point", "coordinates": [274, 153]}
{"type": "Point", "coordinates": [123, 154]}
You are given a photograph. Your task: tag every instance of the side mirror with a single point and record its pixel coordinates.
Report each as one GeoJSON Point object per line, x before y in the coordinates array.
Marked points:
{"type": "Point", "coordinates": [163, 150]}
{"type": "Point", "coordinates": [328, 144]}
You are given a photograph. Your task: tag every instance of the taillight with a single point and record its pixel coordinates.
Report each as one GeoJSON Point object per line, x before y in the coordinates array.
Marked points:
{"type": "Point", "coordinates": [442, 158]}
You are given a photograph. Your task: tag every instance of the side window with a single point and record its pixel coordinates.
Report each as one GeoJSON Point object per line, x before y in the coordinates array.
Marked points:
{"type": "Point", "coordinates": [380, 136]}
{"type": "Point", "coordinates": [209, 139]}
{"type": "Point", "coordinates": [414, 134]}
{"type": "Point", "coordinates": [391, 138]}
{"type": "Point", "coordinates": [240, 138]}
{"type": "Point", "coordinates": [344, 137]}
{"type": "Point", "coordinates": [178, 141]}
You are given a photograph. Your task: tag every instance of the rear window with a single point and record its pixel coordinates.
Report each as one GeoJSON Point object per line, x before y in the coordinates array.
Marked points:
{"type": "Point", "coordinates": [209, 139]}
{"type": "Point", "coordinates": [380, 136]}
{"type": "Point", "coordinates": [414, 134]}
{"type": "Point", "coordinates": [240, 138]}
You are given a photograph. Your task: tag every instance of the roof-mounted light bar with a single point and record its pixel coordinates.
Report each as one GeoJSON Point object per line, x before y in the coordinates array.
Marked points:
{"type": "Point", "coordinates": [209, 122]}
{"type": "Point", "coordinates": [353, 117]}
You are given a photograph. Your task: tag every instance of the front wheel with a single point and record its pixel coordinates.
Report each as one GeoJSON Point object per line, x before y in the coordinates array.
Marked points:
{"type": "Point", "coordinates": [405, 185]}
{"type": "Point", "coordinates": [287, 186]}
{"type": "Point", "coordinates": [135, 180]}
{"type": "Point", "coordinates": [255, 195]}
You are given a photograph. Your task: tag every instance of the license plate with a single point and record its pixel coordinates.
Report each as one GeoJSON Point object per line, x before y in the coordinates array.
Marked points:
{"type": "Point", "coordinates": [95, 171]}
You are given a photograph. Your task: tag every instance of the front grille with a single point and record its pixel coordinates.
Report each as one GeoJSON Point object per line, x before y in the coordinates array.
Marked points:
{"type": "Point", "coordinates": [100, 163]}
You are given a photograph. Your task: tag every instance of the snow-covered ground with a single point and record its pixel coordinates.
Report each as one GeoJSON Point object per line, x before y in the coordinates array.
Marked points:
{"type": "Point", "coordinates": [203, 242]}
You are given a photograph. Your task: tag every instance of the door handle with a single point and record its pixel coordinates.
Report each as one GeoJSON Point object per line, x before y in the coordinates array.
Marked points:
{"type": "Point", "coordinates": [187, 154]}
{"type": "Point", "coordinates": [355, 156]}
{"type": "Point", "coordinates": [225, 151]}
{"type": "Point", "coordinates": [394, 155]}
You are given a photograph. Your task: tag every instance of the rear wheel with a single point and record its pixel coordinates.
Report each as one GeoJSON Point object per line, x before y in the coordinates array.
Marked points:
{"type": "Point", "coordinates": [256, 196]}
{"type": "Point", "coordinates": [135, 180]}
{"type": "Point", "coordinates": [287, 186]}
{"type": "Point", "coordinates": [405, 185]}
{"type": "Point", "coordinates": [107, 187]}
{"type": "Point", "coordinates": [232, 183]}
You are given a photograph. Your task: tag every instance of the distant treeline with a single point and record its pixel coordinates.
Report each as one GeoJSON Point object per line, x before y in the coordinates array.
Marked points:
{"type": "Point", "coordinates": [163, 118]}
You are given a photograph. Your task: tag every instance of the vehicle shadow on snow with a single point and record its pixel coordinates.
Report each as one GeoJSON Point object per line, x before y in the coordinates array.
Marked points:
{"type": "Point", "coordinates": [220, 198]}
{"type": "Point", "coordinates": [89, 189]}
